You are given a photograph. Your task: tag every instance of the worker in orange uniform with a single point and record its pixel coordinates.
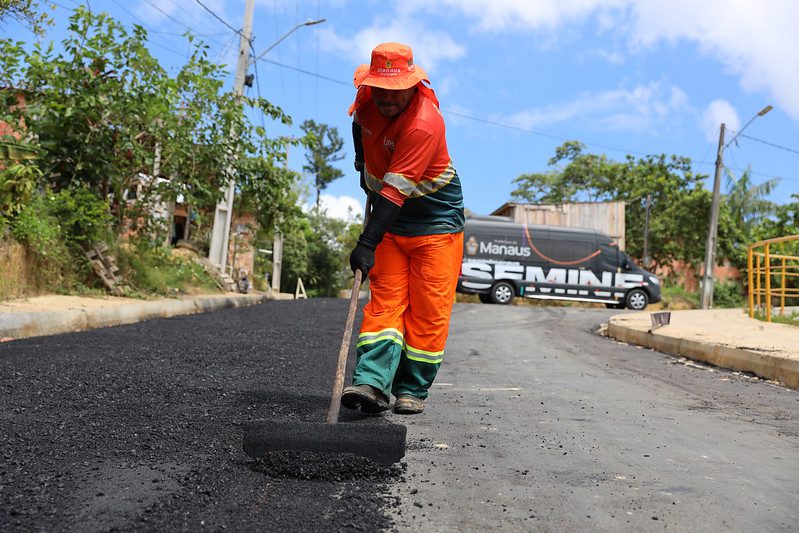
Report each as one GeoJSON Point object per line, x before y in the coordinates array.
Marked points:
{"type": "Point", "coordinates": [412, 245]}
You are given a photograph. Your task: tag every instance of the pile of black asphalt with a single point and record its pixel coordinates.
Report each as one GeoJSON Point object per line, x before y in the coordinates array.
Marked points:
{"type": "Point", "coordinates": [139, 427]}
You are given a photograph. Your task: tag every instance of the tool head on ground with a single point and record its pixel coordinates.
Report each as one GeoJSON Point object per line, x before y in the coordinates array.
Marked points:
{"type": "Point", "coordinates": [382, 443]}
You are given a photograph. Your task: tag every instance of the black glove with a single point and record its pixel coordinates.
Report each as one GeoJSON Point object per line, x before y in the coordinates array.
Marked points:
{"type": "Point", "coordinates": [362, 258]}
{"type": "Point", "coordinates": [384, 213]}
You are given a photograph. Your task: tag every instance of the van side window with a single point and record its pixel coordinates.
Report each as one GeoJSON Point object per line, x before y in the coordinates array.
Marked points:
{"type": "Point", "coordinates": [577, 250]}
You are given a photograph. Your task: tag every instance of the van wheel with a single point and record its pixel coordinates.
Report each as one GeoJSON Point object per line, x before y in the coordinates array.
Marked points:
{"type": "Point", "coordinates": [637, 300]}
{"type": "Point", "coordinates": [502, 293]}
{"type": "Point", "coordinates": [485, 298]}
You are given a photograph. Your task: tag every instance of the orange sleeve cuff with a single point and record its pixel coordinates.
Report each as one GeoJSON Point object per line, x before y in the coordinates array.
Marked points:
{"type": "Point", "coordinates": [392, 194]}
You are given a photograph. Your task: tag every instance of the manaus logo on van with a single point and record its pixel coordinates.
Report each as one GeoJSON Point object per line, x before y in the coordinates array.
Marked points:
{"type": "Point", "coordinates": [496, 247]}
{"type": "Point", "coordinates": [471, 246]}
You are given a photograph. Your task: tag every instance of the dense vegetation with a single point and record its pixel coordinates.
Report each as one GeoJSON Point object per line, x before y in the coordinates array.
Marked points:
{"type": "Point", "coordinates": [107, 138]}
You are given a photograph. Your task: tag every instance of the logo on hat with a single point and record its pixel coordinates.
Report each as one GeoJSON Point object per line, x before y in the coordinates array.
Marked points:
{"type": "Point", "coordinates": [392, 67]}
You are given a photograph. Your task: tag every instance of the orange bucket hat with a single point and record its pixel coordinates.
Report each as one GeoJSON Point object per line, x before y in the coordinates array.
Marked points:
{"type": "Point", "coordinates": [392, 67]}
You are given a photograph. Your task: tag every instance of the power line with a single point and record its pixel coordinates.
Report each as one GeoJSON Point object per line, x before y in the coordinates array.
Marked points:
{"type": "Point", "coordinates": [176, 21]}
{"type": "Point", "coordinates": [540, 133]}
{"type": "Point", "coordinates": [149, 31]}
{"type": "Point", "coordinates": [279, 56]}
{"type": "Point", "coordinates": [220, 19]}
{"type": "Point", "coordinates": [176, 34]}
{"type": "Point", "coordinates": [229, 45]}
{"type": "Point", "coordinates": [258, 88]}
{"type": "Point", "coordinates": [309, 73]}
{"type": "Point", "coordinates": [767, 143]}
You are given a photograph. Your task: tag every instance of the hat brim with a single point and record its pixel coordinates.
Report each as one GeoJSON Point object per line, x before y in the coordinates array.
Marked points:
{"type": "Point", "coordinates": [406, 81]}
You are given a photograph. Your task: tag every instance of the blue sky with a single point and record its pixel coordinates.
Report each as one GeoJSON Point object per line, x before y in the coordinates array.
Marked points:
{"type": "Point", "coordinates": [516, 78]}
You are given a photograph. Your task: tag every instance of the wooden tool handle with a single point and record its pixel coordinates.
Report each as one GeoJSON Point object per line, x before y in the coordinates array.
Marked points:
{"type": "Point", "coordinates": [338, 382]}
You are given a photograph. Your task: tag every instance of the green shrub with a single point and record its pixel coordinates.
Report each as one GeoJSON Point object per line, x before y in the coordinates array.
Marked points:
{"type": "Point", "coordinates": [674, 296]}
{"type": "Point", "coordinates": [41, 233]}
{"type": "Point", "coordinates": [156, 271]}
{"type": "Point", "coordinates": [728, 294]}
{"type": "Point", "coordinates": [82, 214]}
{"type": "Point", "coordinates": [17, 185]}
{"type": "Point", "coordinates": [54, 227]}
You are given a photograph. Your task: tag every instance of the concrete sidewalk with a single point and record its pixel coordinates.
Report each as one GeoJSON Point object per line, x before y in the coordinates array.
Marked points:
{"type": "Point", "coordinates": [727, 338]}
{"type": "Point", "coordinates": [53, 314]}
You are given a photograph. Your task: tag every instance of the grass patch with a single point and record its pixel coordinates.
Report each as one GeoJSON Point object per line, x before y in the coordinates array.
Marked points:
{"type": "Point", "coordinates": [160, 272]}
{"type": "Point", "coordinates": [675, 297]}
{"type": "Point", "coordinates": [791, 319]}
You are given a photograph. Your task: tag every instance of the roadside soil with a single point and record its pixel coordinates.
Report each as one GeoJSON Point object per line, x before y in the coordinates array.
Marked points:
{"type": "Point", "coordinates": [57, 302]}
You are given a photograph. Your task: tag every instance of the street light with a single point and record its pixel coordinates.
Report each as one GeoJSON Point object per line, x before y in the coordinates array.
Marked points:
{"type": "Point", "coordinates": [712, 234]}
{"type": "Point", "coordinates": [292, 30]}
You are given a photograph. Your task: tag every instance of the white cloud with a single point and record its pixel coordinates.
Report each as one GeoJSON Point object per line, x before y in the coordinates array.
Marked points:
{"type": "Point", "coordinates": [636, 109]}
{"type": "Point", "coordinates": [344, 208]}
{"type": "Point", "coordinates": [612, 57]}
{"type": "Point", "coordinates": [501, 15]}
{"type": "Point", "coordinates": [717, 112]}
{"type": "Point", "coordinates": [756, 41]}
{"type": "Point", "coordinates": [429, 46]}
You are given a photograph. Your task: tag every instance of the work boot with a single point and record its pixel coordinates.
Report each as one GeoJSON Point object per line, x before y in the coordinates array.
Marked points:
{"type": "Point", "coordinates": [408, 404]}
{"type": "Point", "coordinates": [364, 397]}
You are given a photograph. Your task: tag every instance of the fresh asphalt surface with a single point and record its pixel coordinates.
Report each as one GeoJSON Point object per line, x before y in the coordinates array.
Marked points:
{"type": "Point", "coordinates": [535, 423]}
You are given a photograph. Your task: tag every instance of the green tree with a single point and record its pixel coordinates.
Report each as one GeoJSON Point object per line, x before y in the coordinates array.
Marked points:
{"type": "Point", "coordinates": [295, 257]}
{"type": "Point", "coordinates": [104, 110]}
{"type": "Point", "coordinates": [747, 200]}
{"type": "Point", "coordinates": [784, 221]}
{"type": "Point", "coordinates": [270, 191]}
{"type": "Point", "coordinates": [584, 177]}
{"type": "Point", "coordinates": [324, 148]}
{"type": "Point", "coordinates": [27, 12]}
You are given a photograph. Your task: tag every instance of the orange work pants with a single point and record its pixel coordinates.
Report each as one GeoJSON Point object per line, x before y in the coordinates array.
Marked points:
{"type": "Point", "coordinates": [406, 323]}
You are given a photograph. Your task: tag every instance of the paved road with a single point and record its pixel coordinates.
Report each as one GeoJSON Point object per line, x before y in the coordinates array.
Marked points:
{"type": "Point", "coordinates": [535, 423]}
{"type": "Point", "coordinates": [139, 427]}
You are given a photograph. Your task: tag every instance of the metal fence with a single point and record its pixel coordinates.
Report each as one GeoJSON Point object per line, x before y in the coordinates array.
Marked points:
{"type": "Point", "coordinates": [773, 274]}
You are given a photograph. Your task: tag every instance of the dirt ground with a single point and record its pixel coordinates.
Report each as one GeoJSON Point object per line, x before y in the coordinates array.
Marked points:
{"type": "Point", "coordinates": [56, 302]}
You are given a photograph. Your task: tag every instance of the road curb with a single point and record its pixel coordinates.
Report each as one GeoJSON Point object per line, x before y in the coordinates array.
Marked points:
{"type": "Point", "coordinates": [36, 324]}
{"type": "Point", "coordinates": [781, 369]}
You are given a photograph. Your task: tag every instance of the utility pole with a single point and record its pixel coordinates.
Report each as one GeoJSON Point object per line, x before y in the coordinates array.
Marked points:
{"type": "Point", "coordinates": [646, 231]}
{"type": "Point", "coordinates": [710, 251]}
{"type": "Point", "coordinates": [712, 233]}
{"type": "Point", "coordinates": [223, 215]}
